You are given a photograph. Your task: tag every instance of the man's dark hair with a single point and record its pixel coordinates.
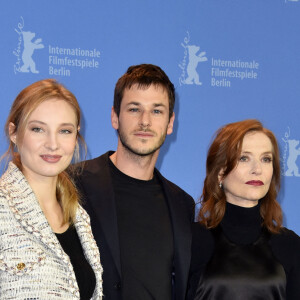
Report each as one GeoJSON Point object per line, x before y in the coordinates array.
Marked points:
{"type": "Point", "coordinates": [144, 75]}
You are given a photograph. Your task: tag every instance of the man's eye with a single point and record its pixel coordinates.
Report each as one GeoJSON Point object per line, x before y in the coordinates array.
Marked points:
{"type": "Point", "coordinates": [134, 109]}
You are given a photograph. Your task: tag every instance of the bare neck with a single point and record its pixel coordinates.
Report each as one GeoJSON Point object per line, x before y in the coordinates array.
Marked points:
{"type": "Point", "coordinates": [45, 192]}
{"type": "Point", "coordinates": [136, 166]}
{"type": "Point", "coordinates": [44, 188]}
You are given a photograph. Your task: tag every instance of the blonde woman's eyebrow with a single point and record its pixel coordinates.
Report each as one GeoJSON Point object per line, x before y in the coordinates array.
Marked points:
{"type": "Point", "coordinates": [43, 123]}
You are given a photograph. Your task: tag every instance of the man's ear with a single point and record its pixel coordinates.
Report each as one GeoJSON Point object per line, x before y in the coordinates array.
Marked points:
{"type": "Point", "coordinates": [12, 132]}
{"type": "Point", "coordinates": [171, 123]}
{"type": "Point", "coordinates": [114, 119]}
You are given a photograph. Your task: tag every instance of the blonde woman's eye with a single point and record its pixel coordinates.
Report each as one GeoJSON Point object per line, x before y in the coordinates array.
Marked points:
{"type": "Point", "coordinates": [66, 131]}
{"type": "Point", "coordinates": [36, 129]}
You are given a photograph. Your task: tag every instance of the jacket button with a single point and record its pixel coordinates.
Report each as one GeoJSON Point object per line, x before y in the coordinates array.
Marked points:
{"type": "Point", "coordinates": [20, 266]}
{"type": "Point", "coordinates": [117, 286]}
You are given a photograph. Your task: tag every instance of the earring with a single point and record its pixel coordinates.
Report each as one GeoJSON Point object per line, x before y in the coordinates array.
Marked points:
{"type": "Point", "coordinates": [220, 184]}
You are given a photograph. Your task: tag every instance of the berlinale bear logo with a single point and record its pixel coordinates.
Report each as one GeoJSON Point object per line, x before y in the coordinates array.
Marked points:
{"type": "Point", "coordinates": [290, 155]}
{"type": "Point", "coordinates": [25, 62]}
{"type": "Point", "coordinates": [189, 64]}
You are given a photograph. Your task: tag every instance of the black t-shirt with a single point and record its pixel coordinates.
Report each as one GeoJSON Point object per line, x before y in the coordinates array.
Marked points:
{"type": "Point", "coordinates": [84, 273]}
{"type": "Point", "coordinates": [146, 237]}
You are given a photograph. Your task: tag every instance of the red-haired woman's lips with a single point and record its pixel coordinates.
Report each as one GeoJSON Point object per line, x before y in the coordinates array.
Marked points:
{"type": "Point", "coordinates": [255, 182]}
{"type": "Point", "coordinates": [51, 158]}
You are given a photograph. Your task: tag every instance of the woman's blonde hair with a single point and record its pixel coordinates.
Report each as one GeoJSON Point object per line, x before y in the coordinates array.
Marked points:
{"type": "Point", "coordinates": [25, 103]}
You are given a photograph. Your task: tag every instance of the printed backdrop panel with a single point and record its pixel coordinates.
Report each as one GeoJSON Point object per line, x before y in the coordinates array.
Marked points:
{"type": "Point", "coordinates": [229, 60]}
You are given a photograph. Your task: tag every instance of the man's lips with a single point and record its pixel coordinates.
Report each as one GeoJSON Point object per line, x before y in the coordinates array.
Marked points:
{"type": "Point", "coordinates": [50, 158]}
{"type": "Point", "coordinates": [255, 182]}
{"type": "Point", "coordinates": [144, 134]}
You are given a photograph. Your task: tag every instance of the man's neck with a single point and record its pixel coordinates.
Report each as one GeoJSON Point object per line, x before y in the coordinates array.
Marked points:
{"type": "Point", "coordinates": [133, 165]}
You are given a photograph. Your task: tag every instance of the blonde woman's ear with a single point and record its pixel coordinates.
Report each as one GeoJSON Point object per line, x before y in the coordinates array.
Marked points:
{"type": "Point", "coordinates": [12, 132]}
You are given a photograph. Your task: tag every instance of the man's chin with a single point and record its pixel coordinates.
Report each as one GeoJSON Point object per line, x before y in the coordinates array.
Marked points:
{"type": "Point", "coordinates": [140, 149]}
{"type": "Point", "coordinates": [141, 152]}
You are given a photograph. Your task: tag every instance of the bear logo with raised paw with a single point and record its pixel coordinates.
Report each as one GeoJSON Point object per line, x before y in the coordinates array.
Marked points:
{"type": "Point", "coordinates": [194, 60]}
{"type": "Point", "coordinates": [29, 47]}
{"type": "Point", "coordinates": [294, 152]}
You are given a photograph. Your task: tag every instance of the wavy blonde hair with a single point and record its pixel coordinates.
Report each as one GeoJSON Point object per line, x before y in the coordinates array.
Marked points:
{"type": "Point", "coordinates": [25, 103]}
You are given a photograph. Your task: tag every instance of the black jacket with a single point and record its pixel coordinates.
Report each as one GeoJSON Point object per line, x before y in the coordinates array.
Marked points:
{"type": "Point", "coordinates": [95, 185]}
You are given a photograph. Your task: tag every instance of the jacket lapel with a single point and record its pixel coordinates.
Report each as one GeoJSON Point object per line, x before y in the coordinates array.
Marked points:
{"type": "Point", "coordinates": [181, 234]}
{"type": "Point", "coordinates": [27, 211]}
{"type": "Point", "coordinates": [97, 186]}
{"type": "Point", "coordinates": [89, 246]}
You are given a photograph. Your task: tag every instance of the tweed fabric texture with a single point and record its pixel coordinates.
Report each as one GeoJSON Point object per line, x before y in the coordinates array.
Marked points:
{"type": "Point", "coordinates": [33, 264]}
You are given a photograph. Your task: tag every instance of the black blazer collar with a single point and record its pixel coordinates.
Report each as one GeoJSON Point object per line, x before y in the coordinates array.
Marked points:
{"type": "Point", "coordinates": [177, 201]}
{"type": "Point", "coordinates": [97, 185]}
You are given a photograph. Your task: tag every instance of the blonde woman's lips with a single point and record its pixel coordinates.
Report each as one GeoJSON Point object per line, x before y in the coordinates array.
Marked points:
{"type": "Point", "coordinates": [51, 158]}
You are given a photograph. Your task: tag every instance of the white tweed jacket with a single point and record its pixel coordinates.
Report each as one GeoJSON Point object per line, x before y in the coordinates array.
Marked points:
{"type": "Point", "coordinates": [33, 264]}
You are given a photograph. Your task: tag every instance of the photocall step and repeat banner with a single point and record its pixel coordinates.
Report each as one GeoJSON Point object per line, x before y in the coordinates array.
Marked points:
{"type": "Point", "coordinates": [229, 60]}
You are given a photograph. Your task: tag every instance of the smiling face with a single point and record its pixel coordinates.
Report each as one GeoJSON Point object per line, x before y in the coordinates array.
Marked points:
{"type": "Point", "coordinates": [250, 180]}
{"type": "Point", "coordinates": [143, 122]}
{"type": "Point", "coordinates": [49, 139]}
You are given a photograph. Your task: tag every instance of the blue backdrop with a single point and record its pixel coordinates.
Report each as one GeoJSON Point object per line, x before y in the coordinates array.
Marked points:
{"type": "Point", "coordinates": [229, 60]}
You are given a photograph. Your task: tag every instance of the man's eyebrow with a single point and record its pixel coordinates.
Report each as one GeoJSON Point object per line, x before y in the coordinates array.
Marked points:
{"type": "Point", "coordinates": [139, 104]}
{"type": "Point", "coordinates": [159, 104]}
{"type": "Point", "coordinates": [133, 103]}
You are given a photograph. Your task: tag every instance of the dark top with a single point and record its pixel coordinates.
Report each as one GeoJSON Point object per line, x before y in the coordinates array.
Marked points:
{"type": "Point", "coordinates": [146, 238]}
{"type": "Point", "coordinates": [84, 273]}
{"type": "Point", "coordinates": [240, 232]}
{"type": "Point", "coordinates": [98, 198]}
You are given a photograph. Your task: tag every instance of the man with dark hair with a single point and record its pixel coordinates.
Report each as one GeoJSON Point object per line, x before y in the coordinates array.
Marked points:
{"type": "Point", "coordinates": [140, 220]}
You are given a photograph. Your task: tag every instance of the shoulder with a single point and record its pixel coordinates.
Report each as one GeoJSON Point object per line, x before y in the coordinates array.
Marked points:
{"type": "Point", "coordinates": [172, 187]}
{"type": "Point", "coordinates": [4, 206]}
{"type": "Point", "coordinates": [93, 165]}
{"type": "Point", "coordinates": [202, 250]}
{"type": "Point", "coordinates": [286, 238]}
{"type": "Point", "coordinates": [173, 191]}
{"type": "Point", "coordinates": [11, 182]}
{"type": "Point", "coordinates": [202, 247]}
{"type": "Point", "coordinates": [202, 241]}
{"type": "Point", "coordinates": [286, 246]}
{"type": "Point", "coordinates": [3, 190]}
{"type": "Point", "coordinates": [84, 171]}
{"type": "Point", "coordinates": [82, 215]}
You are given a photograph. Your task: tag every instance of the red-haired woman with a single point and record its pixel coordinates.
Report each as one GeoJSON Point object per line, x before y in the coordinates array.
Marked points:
{"type": "Point", "coordinates": [240, 249]}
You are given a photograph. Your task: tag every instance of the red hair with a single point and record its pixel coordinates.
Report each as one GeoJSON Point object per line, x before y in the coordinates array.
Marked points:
{"type": "Point", "coordinates": [224, 153]}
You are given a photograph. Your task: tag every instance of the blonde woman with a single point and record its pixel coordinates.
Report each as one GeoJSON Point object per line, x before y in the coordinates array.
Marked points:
{"type": "Point", "coordinates": [47, 250]}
